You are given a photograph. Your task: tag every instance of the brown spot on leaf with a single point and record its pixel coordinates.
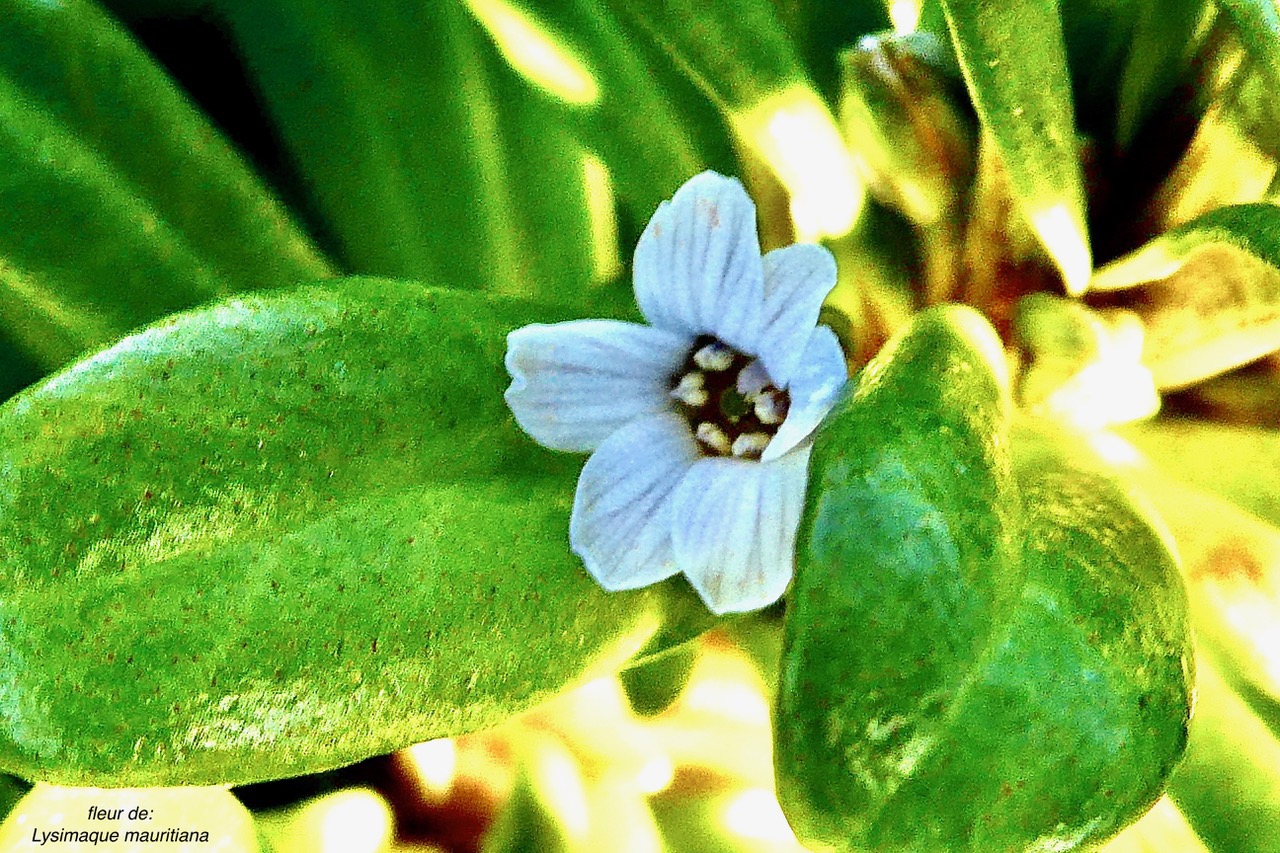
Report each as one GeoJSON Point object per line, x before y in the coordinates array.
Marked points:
{"type": "Point", "coordinates": [1231, 561]}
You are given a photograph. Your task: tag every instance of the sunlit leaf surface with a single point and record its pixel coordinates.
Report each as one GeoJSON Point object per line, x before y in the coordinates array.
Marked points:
{"type": "Point", "coordinates": [1212, 300]}
{"type": "Point", "coordinates": [1015, 65]}
{"type": "Point", "coordinates": [966, 620]}
{"type": "Point", "coordinates": [306, 548]}
{"type": "Point", "coordinates": [119, 203]}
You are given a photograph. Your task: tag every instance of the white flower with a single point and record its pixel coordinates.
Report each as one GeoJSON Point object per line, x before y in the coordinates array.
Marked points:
{"type": "Point", "coordinates": [699, 422]}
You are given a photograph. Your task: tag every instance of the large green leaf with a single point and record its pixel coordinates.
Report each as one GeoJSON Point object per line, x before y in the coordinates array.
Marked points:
{"type": "Point", "coordinates": [281, 534]}
{"type": "Point", "coordinates": [1014, 62]}
{"type": "Point", "coordinates": [982, 653]}
{"type": "Point", "coordinates": [1213, 296]}
{"type": "Point", "coordinates": [118, 202]}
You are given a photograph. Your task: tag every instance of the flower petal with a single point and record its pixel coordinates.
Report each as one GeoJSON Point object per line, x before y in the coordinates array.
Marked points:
{"type": "Point", "coordinates": [734, 529]}
{"type": "Point", "coordinates": [819, 377]}
{"type": "Point", "coordinates": [697, 266]}
{"type": "Point", "coordinates": [621, 522]}
{"type": "Point", "coordinates": [796, 281]}
{"type": "Point", "coordinates": [574, 384]}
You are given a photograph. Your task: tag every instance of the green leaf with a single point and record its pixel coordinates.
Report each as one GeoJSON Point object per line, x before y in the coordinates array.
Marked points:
{"type": "Point", "coordinates": [420, 154]}
{"type": "Point", "coordinates": [1227, 785]}
{"type": "Point", "coordinates": [1213, 300]}
{"type": "Point", "coordinates": [742, 59]}
{"type": "Point", "coordinates": [288, 532]}
{"type": "Point", "coordinates": [12, 789]}
{"type": "Point", "coordinates": [653, 686]}
{"type": "Point", "coordinates": [118, 202]}
{"type": "Point", "coordinates": [1258, 22]}
{"type": "Point", "coordinates": [982, 653]}
{"type": "Point", "coordinates": [1159, 54]}
{"type": "Point", "coordinates": [1015, 66]}
{"type": "Point", "coordinates": [739, 54]}
{"type": "Point", "coordinates": [821, 30]}
{"type": "Point", "coordinates": [635, 127]}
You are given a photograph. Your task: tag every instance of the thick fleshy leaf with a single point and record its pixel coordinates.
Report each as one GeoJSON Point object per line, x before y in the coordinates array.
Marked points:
{"type": "Point", "coordinates": [982, 652]}
{"type": "Point", "coordinates": [885, 541]}
{"type": "Point", "coordinates": [118, 202]}
{"type": "Point", "coordinates": [1014, 62]}
{"type": "Point", "coordinates": [287, 532]}
{"type": "Point", "coordinates": [1213, 296]}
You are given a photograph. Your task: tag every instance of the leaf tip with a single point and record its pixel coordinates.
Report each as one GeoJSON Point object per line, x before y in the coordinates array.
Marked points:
{"type": "Point", "coordinates": [1066, 239]}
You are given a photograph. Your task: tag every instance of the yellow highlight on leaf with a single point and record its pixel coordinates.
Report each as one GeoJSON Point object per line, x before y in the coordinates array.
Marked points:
{"type": "Point", "coordinates": [1065, 238]}
{"type": "Point", "coordinates": [755, 814]}
{"type": "Point", "coordinates": [436, 763]}
{"type": "Point", "coordinates": [605, 262]}
{"type": "Point", "coordinates": [905, 15]}
{"type": "Point", "coordinates": [353, 820]}
{"type": "Point", "coordinates": [557, 778]}
{"type": "Point", "coordinates": [536, 53]}
{"type": "Point", "coordinates": [797, 137]}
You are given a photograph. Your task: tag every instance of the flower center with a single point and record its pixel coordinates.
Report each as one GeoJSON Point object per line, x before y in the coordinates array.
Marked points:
{"type": "Point", "coordinates": [731, 403]}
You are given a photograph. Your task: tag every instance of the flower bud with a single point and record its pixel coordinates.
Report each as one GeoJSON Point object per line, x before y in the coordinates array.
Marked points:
{"type": "Point", "coordinates": [902, 122]}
